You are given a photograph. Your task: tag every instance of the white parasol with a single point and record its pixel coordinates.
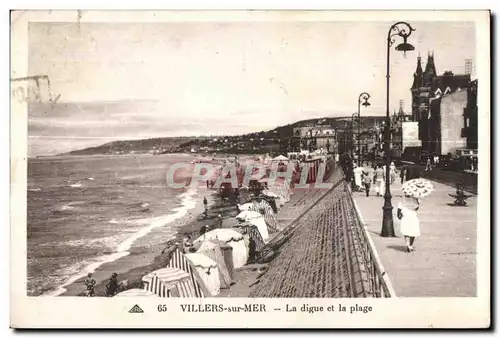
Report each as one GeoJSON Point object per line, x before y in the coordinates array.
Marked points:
{"type": "Point", "coordinates": [417, 187]}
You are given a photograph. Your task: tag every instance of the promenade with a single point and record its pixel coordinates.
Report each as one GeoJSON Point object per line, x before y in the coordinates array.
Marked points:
{"type": "Point", "coordinates": [444, 261]}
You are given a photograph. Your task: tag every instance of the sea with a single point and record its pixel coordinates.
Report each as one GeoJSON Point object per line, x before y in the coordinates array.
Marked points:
{"type": "Point", "coordinates": [84, 211]}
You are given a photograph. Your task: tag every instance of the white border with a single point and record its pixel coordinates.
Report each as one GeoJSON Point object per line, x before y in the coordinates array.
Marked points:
{"type": "Point", "coordinates": [439, 309]}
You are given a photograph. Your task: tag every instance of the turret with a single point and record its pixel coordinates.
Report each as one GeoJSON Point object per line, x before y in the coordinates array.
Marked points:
{"type": "Point", "coordinates": [430, 70]}
{"type": "Point", "coordinates": [417, 76]}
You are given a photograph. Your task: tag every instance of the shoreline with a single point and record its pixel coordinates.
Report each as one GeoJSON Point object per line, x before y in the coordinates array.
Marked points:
{"type": "Point", "coordinates": [135, 265]}
{"type": "Point", "coordinates": [136, 256]}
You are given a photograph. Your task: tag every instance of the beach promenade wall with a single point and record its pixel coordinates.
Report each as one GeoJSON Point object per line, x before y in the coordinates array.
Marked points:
{"type": "Point", "coordinates": [324, 253]}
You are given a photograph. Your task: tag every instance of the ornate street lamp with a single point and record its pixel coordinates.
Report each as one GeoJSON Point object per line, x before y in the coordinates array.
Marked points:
{"type": "Point", "coordinates": [355, 115]}
{"type": "Point", "coordinates": [403, 30]}
{"type": "Point", "coordinates": [363, 96]}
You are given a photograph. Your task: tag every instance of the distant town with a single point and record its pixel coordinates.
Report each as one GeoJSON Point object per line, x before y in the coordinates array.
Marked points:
{"type": "Point", "coordinates": [442, 122]}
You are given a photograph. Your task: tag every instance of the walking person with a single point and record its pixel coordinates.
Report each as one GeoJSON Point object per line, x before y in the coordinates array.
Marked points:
{"type": "Point", "coordinates": [412, 191]}
{"type": "Point", "coordinates": [89, 285]}
{"type": "Point", "coordinates": [379, 180]}
{"type": "Point", "coordinates": [112, 286]}
{"type": "Point", "coordinates": [219, 221]}
{"type": "Point", "coordinates": [402, 174]}
{"type": "Point", "coordinates": [205, 205]}
{"type": "Point", "coordinates": [186, 244]}
{"type": "Point", "coordinates": [204, 229]}
{"type": "Point", "coordinates": [410, 224]}
{"type": "Point", "coordinates": [392, 173]}
{"type": "Point", "coordinates": [367, 178]}
{"type": "Point", "coordinates": [358, 171]}
{"type": "Point", "coordinates": [428, 166]}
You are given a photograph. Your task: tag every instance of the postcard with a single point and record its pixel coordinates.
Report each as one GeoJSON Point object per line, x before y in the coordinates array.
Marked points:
{"type": "Point", "coordinates": [250, 169]}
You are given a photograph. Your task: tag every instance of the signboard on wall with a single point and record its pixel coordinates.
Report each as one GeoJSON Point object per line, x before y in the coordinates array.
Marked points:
{"type": "Point", "coordinates": [410, 135]}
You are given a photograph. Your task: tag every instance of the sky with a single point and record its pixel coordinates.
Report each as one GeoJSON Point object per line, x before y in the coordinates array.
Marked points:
{"type": "Point", "coordinates": [134, 80]}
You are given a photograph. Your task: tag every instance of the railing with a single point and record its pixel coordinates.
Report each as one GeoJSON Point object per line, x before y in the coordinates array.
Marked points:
{"type": "Point", "coordinates": [374, 281]}
{"type": "Point", "coordinates": [284, 235]}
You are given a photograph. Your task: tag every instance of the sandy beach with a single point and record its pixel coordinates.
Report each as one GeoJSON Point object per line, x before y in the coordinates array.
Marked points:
{"type": "Point", "coordinates": [132, 268]}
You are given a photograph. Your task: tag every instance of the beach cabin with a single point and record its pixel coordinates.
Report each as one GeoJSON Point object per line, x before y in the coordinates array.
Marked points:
{"type": "Point", "coordinates": [207, 270]}
{"type": "Point", "coordinates": [232, 238]}
{"type": "Point", "coordinates": [256, 219]}
{"type": "Point", "coordinates": [169, 282]}
{"type": "Point", "coordinates": [222, 254]}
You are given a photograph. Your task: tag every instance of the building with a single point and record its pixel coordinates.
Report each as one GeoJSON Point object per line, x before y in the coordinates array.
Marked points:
{"type": "Point", "coordinates": [470, 130]}
{"type": "Point", "coordinates": [316, 137]}
{"type": "Point", "coordinates": [434, 95]}
{"type": "Point", "coordinates": [397, 121]}
{"type": "Point", "coordinates": [453, 121]}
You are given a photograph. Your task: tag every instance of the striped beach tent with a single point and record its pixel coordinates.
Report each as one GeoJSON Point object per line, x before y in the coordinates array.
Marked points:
{"type": "Point", "coordinates": [231, 237]}
{"type": "Point", "coordinates": [264, 208]}
{"type": "Point", "coordinates": [207, 270]}
{"type": "Point", "coordinates": [178, 260]}
{"type": "Point", "coordinates": [253, 233]}
{"type": "Point", "coordinates": [253, 236]}
{"type": "Point", "coordinates": [136, 293]}
{"type": "Point", "coordinates": [169, 282]}
{"type": "Point", "coordinates": [214, 249]}
{"type": "Point", "coordinates": [256, 219]}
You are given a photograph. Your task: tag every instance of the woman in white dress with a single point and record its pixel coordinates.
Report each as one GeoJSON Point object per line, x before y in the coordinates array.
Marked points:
{"type": "Point", "coordinates": [379, 180]}
{"type": "Point", "coordinates": [357, 177]}
{"type": "Point", "coordinates": [392, 169]}
{"type": "Point", "coordinates": [410, 225]}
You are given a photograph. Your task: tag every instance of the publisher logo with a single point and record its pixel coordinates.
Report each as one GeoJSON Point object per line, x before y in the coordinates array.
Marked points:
{"type": "Point", "coordinates": [136, 309]}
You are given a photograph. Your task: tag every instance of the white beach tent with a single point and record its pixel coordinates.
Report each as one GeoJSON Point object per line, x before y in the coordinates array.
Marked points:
{"type": "Point", "coordinates": [207, 270]}
{"type": "Point", "coordinates": [251, 232]}
{"type": "Point", "coordinates": [255, 218]}
{"type": "Point", "coordinates": [280, 158]}
{"type": "Point", "coordinates": [245, 207]}
{"type": "Point", "coordinates": [222, 254]}
{"type": "Point", "coordinates": [169, 282]}
{"type": "Point", "coordinates": [269, 193]}
{"type": "Point", "coordinates": [231, 237]}
{"type": "Point", "coordinates": [136, 293]}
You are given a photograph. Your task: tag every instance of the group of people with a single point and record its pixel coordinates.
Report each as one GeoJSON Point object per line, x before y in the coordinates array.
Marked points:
{"type": "Point", "coordinates": [374, 174]}
{"type": "Point", "coordinates": [112, 287]}
{"type": "Point", "coordinates": [362, 178]}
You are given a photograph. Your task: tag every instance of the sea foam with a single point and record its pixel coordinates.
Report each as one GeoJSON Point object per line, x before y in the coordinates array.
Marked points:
{"type": "Point", "coordinates": [188, 202]}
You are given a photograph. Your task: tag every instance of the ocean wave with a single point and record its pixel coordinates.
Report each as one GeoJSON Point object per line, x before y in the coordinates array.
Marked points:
{"type": "Point", "coordinates": [122, 250]}
{"type": "Point", "coordinates": [35, 189]}
{"type": "Point", "coordinates": [64, 209]}
{"type": "Point", "coordinates": [110, 242]}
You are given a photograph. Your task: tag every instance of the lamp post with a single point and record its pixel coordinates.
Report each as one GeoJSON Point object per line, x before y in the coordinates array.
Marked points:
{"type": "Point", "coordinates": [363, 96]}
{"type": "Point", "coordinates": [355, 115]}
{"type": "Point", "coordinates": [403, 30]}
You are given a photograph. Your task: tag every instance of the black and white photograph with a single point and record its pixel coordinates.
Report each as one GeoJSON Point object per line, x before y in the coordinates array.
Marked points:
{"type": "Point", "coordinates": [204, 157]}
